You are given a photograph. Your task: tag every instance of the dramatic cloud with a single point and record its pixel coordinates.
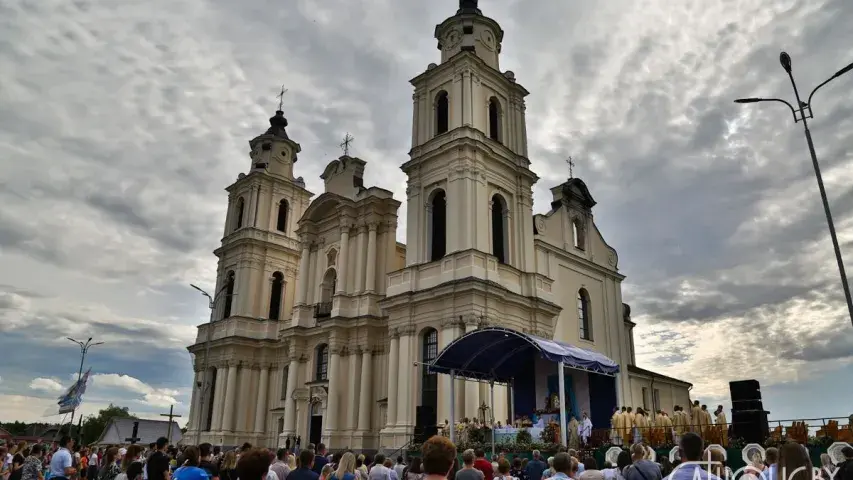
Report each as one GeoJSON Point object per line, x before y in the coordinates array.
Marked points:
{"type": "Point", "coordinates": [122, 124]}
{"type": "Point", "coordinates": [48, 385]}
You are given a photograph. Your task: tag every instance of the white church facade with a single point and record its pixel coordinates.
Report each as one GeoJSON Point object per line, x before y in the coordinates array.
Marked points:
{"type": "Point", "coordinates": [323, 319]}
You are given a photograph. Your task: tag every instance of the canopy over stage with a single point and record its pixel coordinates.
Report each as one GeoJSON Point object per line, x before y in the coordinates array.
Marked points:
{"type": "Point", "coordinates": [502, 355]}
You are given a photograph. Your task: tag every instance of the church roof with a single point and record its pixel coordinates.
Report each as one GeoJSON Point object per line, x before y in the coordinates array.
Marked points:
{"type": "Point", "coordinates": [120, 429]}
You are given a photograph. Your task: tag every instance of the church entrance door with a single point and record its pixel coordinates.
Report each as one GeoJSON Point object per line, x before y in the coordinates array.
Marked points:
{"type": "Point", "coordinates": [316, 430]}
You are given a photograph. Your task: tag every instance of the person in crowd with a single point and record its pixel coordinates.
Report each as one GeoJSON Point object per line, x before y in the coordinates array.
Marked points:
{"type": "Point", "coordinates": [535, 467]}
{"type": "Point", "coordinates": [565, 466]}
{"type": "Point", "coordinates": [504, 470]}
{"type": "Point", "coordinates": [389, 464]}
{"type": "Point", "coordinates": [94, 463]}
{"type": "Point", "coordinates": [254, 464]}
{"type": "Point", "coordinates": [320, 459]}
{"type": "Point", "coordinates": [109, 469]}
{"type": "Point", "coordinates": [690, 450]}
{"type": "Point", "coordinates": [413, 471]}
{"type": "Point", "coordinates": [379, 470]}
{"type": "Point", "coordinates": [400, 467]}
{"type": "Point", "coordinates": [32, 467]}
{"type": "Point", "coordinates": [304, 469]}
{"type": "Point", "coordinates": [590, 470]}
{"type": "Point", "coordinates": [228, 470]}
{"type": "Point", "coordinates": [280, 466]}
{"type": "Point", "coordinates": [642, 468]}
{"type": "Point", "coordinates": [326, 472]}
{"type": "Point", "coordinates": [361, 467]}
{"type": "Point", "coordinates": [345, 468]}
{"type": "Point", "coordinates": [157, 466]}
{"type": "Point", "coordinates": [191, 470]}
{"type": "Point", "coordinates": [18, 459]}
{"type": "Point", "coordinates": [795, 462]}
{"type": "Point", "coordinates": [483, 465]}
{"type": "Point", "coordinates": [574, 454]}
{"type": "Point", "coordinates": [516, 470]}
{"type": "Point", "coordinates": [135, 471]}
{"type": "Point", "coordinates": [845, 468]}
{"type": "Point", "coordinates": [61, 463]}
{"type": "Point", "coordinates": [207, 460]}
{"type": "Point", "coordinates": [468, 472]}
{"type": "Point", "coordinates": [437, 454]}
{"type": "Point", "coordinates": [771, 457]}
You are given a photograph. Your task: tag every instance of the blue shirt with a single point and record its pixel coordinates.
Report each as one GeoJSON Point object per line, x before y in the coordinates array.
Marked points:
{"type": "Point", "coordinates": [534, 469]}
{"type": "Point", "coordinates": [302, 474]}
{"type": "Point", "coordinates": [60, 461]}
{"type": "Point", "coordinates": [191, 473]}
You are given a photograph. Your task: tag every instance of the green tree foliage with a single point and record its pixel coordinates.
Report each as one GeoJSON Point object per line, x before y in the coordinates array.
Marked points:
{"type": "Point", "coordinates": [93, 425]}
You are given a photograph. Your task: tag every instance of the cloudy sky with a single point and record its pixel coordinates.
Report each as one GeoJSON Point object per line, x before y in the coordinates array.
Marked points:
{"type": "Point", "coordinates": [121, 122]}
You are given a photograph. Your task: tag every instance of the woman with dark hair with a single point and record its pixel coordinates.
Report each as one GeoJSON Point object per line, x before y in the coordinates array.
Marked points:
{"type": "Point", "coordinates": [794, 462]}
{"type": "Point", "coordinates": [110, 469]}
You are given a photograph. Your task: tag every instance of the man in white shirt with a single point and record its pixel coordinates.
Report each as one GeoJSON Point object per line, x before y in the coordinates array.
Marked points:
{"type": "Point", "coordinates": [61, 465]}
{"type": "Point", "coordinates": [399, 467]}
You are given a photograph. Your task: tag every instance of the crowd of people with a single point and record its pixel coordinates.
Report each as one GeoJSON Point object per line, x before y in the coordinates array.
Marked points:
{"type": "Point", "coordinates": [439, 460]}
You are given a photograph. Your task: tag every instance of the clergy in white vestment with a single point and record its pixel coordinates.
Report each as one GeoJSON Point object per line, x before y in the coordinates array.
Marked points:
{"type": "Point", "coordinates": [585, 428]}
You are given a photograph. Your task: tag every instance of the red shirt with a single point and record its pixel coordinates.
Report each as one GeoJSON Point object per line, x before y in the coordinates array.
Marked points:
{"type": "Point", "coordinates": [486, 467]}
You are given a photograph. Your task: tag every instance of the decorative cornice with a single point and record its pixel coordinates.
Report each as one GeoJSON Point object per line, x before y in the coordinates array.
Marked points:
{"type": "Point", "coordinates": [406, 330]}
{"type": "Point", "coordinates": [393, 333]}
{"type": "Point", "coordinates": [337, 349]}
{"type": "Point", "coordinates": [373, 226]}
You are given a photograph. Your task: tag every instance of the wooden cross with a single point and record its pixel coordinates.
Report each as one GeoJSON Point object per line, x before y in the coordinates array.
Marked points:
{"type": "Point", "coordinates": [571, 164]}
{"type": "Point", "coordinates": [280, 97]}
{"type": "Point", "coordinates": [133, 435]}
{"type": "Point", "coordinates": [171, 416]}
{"type": "Point", "coordinates": [348, 140]}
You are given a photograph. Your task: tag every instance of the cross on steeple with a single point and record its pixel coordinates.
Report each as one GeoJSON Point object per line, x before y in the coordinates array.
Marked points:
{"type": "Point", "coordinates": [171, 416]}
{"type": "Point", "coordinates": [280, 97]}
{"type": "Point", "coordinates": [571, 165]}
{"type": "Point", "coordinates": [348, 140]}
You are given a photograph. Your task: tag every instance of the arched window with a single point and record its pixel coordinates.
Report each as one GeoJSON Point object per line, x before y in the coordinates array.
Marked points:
{"type": "Point", "coordinates": [429, 381]}
{"type": "Point", "coordinates": [276, 292]}
{"type": "Point", "coordinates": [578, 234]}
{"type": "Point", "coordinates": [327, 288]}
{"type": "Point", "coordinates": [229, 295]}
{"type": "Point", "coordinates": [438, 226]}
{"type": "Point", "coordinates": [322, 361]}
{"type": "Point", "coordinates": [241, 206]}
{"type": "Point", "coordinates": [208, 421]}
{"type": "Point", "coordinates": [281, 222]}
{"type": "Point", "coordinates": [442, 113]}
{"type": "Point", "coordinates": [495, 119]}
{"type": "Point", "coordinates": [584, 320]}
{"type": "Point", "coordinates": [499, 228]}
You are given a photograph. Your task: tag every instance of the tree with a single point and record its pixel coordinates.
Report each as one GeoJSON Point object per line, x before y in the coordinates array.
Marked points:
{"type": "Point", "coordinates": [94, 425]}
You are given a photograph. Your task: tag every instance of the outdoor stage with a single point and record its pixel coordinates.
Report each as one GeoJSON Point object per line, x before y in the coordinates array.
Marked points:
{"type": "Point", "coordinates": [531, 366]}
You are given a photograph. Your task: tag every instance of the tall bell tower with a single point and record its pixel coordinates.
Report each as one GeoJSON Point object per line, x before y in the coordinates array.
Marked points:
{"type": "Point", "coordinates": [470, 253]}
{"type": "Point", "coordinates": [259, 256]}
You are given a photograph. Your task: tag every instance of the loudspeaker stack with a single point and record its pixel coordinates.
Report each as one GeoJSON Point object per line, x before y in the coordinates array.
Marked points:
{"type": "Point", "coordinates": [749, 419]}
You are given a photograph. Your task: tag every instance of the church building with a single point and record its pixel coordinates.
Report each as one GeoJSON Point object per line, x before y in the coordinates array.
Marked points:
{"type": "Point", "coordinates": [323, 321]}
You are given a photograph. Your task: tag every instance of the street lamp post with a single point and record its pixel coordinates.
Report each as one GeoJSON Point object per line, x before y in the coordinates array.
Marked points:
{"type": "Point", "coordinates": [84, 348]}
{"type": "Point", "coordinates": [205, 387]}
{"type": "Point", "coordinates": [802, 113]}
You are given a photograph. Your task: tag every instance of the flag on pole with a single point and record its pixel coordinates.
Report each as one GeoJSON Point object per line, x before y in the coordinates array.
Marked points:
{"type": "Point", "coordinates": [72, 398]}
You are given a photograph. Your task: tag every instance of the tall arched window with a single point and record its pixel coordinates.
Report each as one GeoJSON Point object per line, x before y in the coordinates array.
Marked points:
{"type": "Point", "coordinates": [499, 228]}
{"type": "Point", "coordinates": [241, 207]}
{"type": "Point", "coordinates": [429, 381]}
{"type": "Point", "coordinates": [281, 222]}
{"type": "Point", "coordinates": [495, 119]}
{"type": "Point", "coordinates": [208, 421]}
{"type": "Point", "coordinates": [584, 320]}
{"type": "Point", "coordinates": [438, 226]}
{"type": "Point", "coordinates": [276, 291]}
{"type": "Point", "coordinates": [229, 295]}
{"type": "Point", "coordinates": [442, 113]}
{"type": "Point", "coordinates": [322, 361]}
{"type": "Point", "coordinates": [578, 234]}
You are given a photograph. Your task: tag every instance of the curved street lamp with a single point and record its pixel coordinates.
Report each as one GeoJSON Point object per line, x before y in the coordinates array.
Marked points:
{"type": "Point", "coordinates": [205, 387]}
{"type": "Point", "coordinates": [802, 113]}
{"type": "Point", "coordinates": [84, 349]}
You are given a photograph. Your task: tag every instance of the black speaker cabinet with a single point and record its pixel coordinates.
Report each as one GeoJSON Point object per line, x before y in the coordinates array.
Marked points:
{"type": "Point", "coordinates": [745, 390]}
{"type": "Point", "coordinates": [750, 425]}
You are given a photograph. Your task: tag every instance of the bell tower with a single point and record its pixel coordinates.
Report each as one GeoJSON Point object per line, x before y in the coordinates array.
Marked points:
{"type": "Point", "coordinates": [470, 252]}
{"type": "Point", "coordinates": [259, 255]}
{"type": "Point", "coordinates": [470, 185]}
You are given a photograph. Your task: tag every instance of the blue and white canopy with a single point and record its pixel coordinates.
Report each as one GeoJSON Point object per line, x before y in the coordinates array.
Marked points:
{"type": "Point", "coordinates": [498, 354]}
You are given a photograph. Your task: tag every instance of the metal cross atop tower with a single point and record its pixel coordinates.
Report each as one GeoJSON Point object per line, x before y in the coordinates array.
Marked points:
{"type": "Point", "coordinates": [134, 436]}
{"type": "Point", "coordinates": [280, 97]}
{"type": "Point", "coordinates": [348, 140]}
{"type": "Point", "coordinates": [571, 165]}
